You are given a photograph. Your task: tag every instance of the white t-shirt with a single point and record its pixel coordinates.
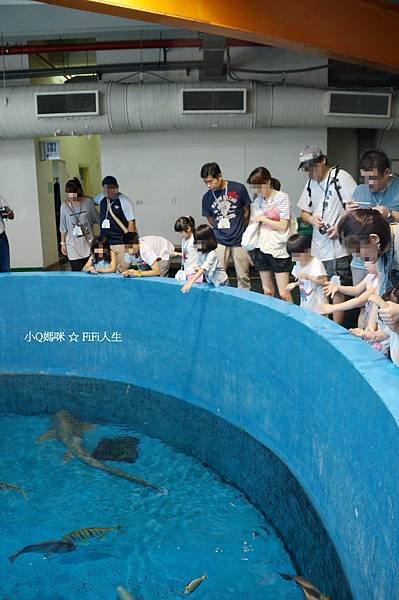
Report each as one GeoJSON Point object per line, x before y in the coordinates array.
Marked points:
{"type": "Point", "coordinates": [312, 295]}
{"type": "Point", "coordinates": [213, 270]}
{"type": "Point", "coordinates": [269, 240]}
{"type": "Point", "coordinates": [190, 255]}
{"type": "Point", "coordinates": [152, 248]}
{"type": "Point", "coordinates": [324, 192]}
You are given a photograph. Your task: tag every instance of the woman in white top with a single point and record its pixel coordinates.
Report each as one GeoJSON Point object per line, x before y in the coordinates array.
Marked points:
{"type": "Point", "coordinates": [271, 208]}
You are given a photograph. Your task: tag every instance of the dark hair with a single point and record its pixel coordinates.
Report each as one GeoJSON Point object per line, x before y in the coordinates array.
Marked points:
{"type": "Point", "coordinates": [259, 175]}
{"type": "Point", "coordinates": [97, 243]}
{"type": "Point", "coordinates": [298, 243]}
{"type": "Point", "coordinates": [276, 185]}
{"type": "Point", "coordinates": [210, 170]}
{"type": "Point", "coordinates": [130, 237]}
{"type": "Point", "coordinates": [392, 295]}
{"type": "Point", "coordinates": [73, 186]}
{"type": "Point", "coordinates": [205, 238]}
{"type": "Point", "coordinates": [374, 159]}
{"type": "Point", "coordinates": [357, 225]}
{"type": "Point", "coordinates": [183, 223]}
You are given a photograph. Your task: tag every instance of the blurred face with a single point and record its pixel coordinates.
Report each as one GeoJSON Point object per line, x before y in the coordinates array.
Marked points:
{"type": "Point", "coordinates": [262, 189]}
{"type": "Point", "coordinates": [375, 180]}
{"type": "Point", "coordinates": [186, 234]}
{"type": "Point", "coordinates": [72, 196]}
{"type": "Point", "coordinates": [369, 250]}
{"type": "Point", "coordinates": [301, 257]}
{"type": "Point", "coordinates": [133, 249]}
{"type": "Point", "coordinates": [214, 183]}
{"type": "Point", "coordinates": [199, 245]}
{"type": "Point", "coordinates": [110, 191]}
{"type": "Point", "coordinates": [315, 168]}
{"type": "Point", "coordinates": [99, 252]}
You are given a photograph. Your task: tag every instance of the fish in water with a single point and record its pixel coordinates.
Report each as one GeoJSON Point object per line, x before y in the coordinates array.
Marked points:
{"type": "Point", "coordinates": [11, 487]}
{"type": "Point", "coordinates": [50, 547]}
{"type": "Point", "coordinates": [69, 431]}
{"type": "Point", "coordinates": [81, 535]}
{"type": "Point", "coordinates": [124, 594]}
{"type": "Point", "coordinates": [192, 586]}
{"type": "Point", "coordinates": [310, 591]}
{"type": "Point", "coordinates": [123, 449]}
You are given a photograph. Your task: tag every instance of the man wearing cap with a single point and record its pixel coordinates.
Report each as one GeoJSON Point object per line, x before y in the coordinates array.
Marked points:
{"type": "Point", "coordinates": [322, 204]}
{"type": "Point", "coordinates": [5, 213]}
{"type": "Point", "coordinates": [116, 216]}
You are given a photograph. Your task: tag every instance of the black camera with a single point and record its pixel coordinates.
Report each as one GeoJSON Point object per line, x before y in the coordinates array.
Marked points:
{"type": "Point", "coordinates": [324, 228]}
{"type": "Point", "coordinates": [4, 211]}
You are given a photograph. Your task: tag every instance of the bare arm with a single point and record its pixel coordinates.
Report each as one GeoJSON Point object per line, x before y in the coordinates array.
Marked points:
{"type": "Point", "coordinates": [112, 265]}
{"type": "Point", "coordinates": [247, 212]}
{"type": "Point", "coordinates": [281, 225]}
{"type": "Point", "coordinates": [188, 285]}
{"type": "Point", "coordinates": [131, 226]}
{"type": "Point", "coordinates": [349, 304]}
{"type": "Point", "coordinates": [307, 217]}
{"type": "Point", "coordinates": [153, 272]}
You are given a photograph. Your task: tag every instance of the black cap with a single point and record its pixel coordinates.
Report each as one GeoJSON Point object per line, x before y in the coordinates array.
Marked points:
{"type": "Point", "coordinates": [110, 180]}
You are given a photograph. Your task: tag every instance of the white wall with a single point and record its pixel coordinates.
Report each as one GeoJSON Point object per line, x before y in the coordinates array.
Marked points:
{"type": "Point", "coordinates": [18, 186]}
{"type": "Point", "coordinates": [160, 171]}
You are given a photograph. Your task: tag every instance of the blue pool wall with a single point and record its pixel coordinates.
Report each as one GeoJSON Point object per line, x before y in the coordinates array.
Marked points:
{"type": "Point", "coordinates": [321, 406]}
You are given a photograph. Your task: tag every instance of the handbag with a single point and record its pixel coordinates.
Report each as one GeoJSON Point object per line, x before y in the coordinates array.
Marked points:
{"type": "Point", "coordinates": [250, 236]}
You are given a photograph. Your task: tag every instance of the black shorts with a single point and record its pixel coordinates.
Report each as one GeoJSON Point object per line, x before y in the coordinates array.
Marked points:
{"type": "Point", "coordinates": [339, 266]}
{"type": "Point", "coordinates": [267, 262]}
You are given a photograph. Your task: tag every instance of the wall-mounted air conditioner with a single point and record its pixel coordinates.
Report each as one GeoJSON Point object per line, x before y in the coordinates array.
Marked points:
{"type": "Point", "coordinates": [357, 104]}
{"type": "Point", "coordinates": [214, 100]}
{"type": "Point", "coordinates": [67, 104]}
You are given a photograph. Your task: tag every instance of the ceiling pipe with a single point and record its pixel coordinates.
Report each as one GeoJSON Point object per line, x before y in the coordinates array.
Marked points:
{"type": "Point", "coordinates": [115, 45]}
{"type": "Point", "coordinates": [106, 68]}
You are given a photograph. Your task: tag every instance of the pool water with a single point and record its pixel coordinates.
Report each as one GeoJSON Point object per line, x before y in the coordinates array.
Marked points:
{"type": "Point", "coordinates": [201, 525]}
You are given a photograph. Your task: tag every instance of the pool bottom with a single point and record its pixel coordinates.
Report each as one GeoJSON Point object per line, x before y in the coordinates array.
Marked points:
{"type": "Point", "coordinates": [237, 457]}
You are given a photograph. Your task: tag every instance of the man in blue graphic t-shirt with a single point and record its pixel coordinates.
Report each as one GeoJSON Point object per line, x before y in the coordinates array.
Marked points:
{"type": "Point", "coordinates": [226, 205]}
{"type": "Point", "coordinates": [380, 192]}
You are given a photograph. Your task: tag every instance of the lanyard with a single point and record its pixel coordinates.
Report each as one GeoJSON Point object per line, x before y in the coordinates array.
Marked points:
{"type": "Point", "coordinates": [222, 204]}
{"type": "Point", "coordinates": [75, 214]}
{"type": "Point", "coordinates": [325, 193]}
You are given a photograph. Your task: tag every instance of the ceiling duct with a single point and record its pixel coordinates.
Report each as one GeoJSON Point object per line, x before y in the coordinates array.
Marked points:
{"type": "Point", "coordinates": [157, 106]}
{"type": "Point", "coordinates": [358, 104]}
{"type": "Point", "coordinates": [67, 103]}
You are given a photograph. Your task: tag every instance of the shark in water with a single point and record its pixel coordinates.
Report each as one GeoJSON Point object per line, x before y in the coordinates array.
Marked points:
{"type": "Point", "coordinates": [69, 431]}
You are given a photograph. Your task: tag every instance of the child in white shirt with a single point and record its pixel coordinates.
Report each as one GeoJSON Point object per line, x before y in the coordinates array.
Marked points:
{"type": "Point", "coordinates": [309, 271]}
{"type": "Point", "coordinates": [189, 255]}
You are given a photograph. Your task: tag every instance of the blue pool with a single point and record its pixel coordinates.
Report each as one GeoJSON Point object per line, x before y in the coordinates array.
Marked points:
{"type": "Point", "coordinates": [201, 525]}
{"type": "Point", "coordinates": [282, 411]}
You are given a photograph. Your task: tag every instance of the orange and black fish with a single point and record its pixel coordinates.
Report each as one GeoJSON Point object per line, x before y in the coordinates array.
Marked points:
{"type": "Point", "coordinates": [81, 535]}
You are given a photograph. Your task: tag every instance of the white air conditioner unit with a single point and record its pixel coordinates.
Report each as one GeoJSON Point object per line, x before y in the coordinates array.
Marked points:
{"type": "Point", "coordinates": [67, 104]}
{"type": "Point", "coordinates": [357, 104]}
{"type": "Point", "coordinates": [214, 100]}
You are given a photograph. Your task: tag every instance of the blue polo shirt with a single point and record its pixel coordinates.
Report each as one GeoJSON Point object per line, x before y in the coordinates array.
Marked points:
{"type": "Point", "coordinates": [388, 197]}
{"type": "Point", "coordinates": [228, 203]}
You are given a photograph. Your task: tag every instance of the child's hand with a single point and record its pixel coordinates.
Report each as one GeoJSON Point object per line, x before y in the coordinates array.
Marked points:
{"type": "Point", "coordinates": [128, 273]}
{"type": "Point", "coordinates": [303, 276]}
{"type": "Point", "coordinates": [93, 271]}
{"type": "Point", "coordinates": [186, 287]}
{"type": "Point", "coordinates": [330, 289]}
{"type": "Point", "coordinates": [357, 332]}
{"type": "Point", "coordinates": [291, 286]}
